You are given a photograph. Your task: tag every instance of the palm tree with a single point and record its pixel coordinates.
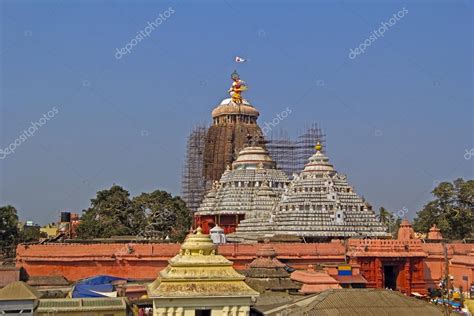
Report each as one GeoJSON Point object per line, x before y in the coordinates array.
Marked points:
{"type": "Point", "coordinates": [384, 216]}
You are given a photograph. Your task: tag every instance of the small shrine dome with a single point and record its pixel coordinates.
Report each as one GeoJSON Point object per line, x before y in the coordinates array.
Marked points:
{"type": "Point", "coordinates": [319, 162]}
{"type": "Point", "coordinates": [217, 235]}
{"type": "Point", "coordinates": [216, 230]}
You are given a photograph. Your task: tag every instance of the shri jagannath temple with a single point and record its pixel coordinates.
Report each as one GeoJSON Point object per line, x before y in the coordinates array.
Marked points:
{"type": "Point", "coordinates": [264, 242]}
{"type": "Point", "coordinates": [251, 198]}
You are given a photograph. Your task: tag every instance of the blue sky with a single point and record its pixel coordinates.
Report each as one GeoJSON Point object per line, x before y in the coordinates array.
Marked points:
{"type": "Point", "coordinates": [398, 117]}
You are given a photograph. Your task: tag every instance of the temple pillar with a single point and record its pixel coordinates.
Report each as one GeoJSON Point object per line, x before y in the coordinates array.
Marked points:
{"type": "Point", "coordinates": [233, 311]}
{"type": "Point", "coordinates": [159, 311]}
{"type": "Point", "coordinates": [378, 270]}
{"type": "Point", "coordinates": [225, 311]}
{"type": "Point", "coordinates": [244, 310]}
{"type": "Point", "coordinates": [408, 275]}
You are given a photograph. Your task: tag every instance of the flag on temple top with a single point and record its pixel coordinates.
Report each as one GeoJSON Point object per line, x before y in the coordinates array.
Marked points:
{"type": "Point", "coordinates": [240, 59]}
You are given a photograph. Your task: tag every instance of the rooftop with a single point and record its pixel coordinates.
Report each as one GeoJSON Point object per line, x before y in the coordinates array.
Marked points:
{"type": "Point", "coordinates": [18, 291]}
{"type": "Point", "coordinates": [81, 304]}
{"type": "Point", "coordinates": [355, 302]}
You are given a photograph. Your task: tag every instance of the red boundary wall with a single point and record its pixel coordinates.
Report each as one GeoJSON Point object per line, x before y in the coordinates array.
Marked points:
{"type": "Point", "coordinates": [144, 261]}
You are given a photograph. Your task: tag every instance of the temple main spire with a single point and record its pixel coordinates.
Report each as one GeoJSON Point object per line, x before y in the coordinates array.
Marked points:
{"type": "Point", "coordinates": [232, 120]}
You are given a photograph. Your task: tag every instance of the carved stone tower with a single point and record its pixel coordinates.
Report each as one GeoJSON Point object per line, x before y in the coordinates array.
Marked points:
{"type": "Point", "coordinates": [234, 120]}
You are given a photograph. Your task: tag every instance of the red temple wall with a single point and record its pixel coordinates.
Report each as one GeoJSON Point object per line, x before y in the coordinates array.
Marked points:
{"type": "Point", "coordinates": [144, 261]}
{"type": "Point", "coordinates": [461, 263]}
{"type": "Point", "coordinates": [76, 261]}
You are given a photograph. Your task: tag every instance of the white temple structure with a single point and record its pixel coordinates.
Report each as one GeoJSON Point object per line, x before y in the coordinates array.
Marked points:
{"type": "Point", "coordinates": [317, 205]}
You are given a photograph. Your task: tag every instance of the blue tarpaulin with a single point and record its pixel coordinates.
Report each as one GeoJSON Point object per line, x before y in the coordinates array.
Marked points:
{"type": "Point", "coordinates": [100, 283]}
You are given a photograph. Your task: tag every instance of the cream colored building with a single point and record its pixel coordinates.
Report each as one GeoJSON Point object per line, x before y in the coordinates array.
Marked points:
{"type": "Point", "coordinates": [199, 282]}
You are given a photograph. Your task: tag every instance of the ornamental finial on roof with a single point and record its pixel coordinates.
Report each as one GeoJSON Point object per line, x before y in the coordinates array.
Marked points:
{"type": "Point", "coordinates": [238, 86]}
{"type": "Point", "coordinates": [318, 146]}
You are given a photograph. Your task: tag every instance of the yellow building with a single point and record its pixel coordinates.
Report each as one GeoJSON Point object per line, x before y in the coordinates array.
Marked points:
{"type": "Point", "coordinates": [199, 282]}
{"type": "Point", "coordinates": [51, 230]}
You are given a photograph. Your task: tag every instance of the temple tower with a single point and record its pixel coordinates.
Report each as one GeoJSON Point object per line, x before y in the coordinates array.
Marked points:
{"type": "Point", "coordinates": [317, 205]}
{"type": "Point", "coordinates": [198, 281]}
{"type": "Point", "coordinates": [234, 120]}
{"type": "Point", "coordinates": [249, 188]}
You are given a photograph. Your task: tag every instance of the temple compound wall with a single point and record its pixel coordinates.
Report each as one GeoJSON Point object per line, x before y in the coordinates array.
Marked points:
{"type": "Point", "coordinates": [413, 263]}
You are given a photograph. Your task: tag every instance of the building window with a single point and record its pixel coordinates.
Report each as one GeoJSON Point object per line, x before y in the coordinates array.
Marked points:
{"type": "Point", "coordinates": [203, 312]}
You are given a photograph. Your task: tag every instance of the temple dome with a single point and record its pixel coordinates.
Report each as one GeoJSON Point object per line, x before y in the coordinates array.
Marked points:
{"type": "Point", "coordinates": [319, 162]}
{"type": "Point", "coordinates": [251, 188]}
{"type": "Point", "coordinates": [228, 107]}
{"type": "Point", "coordinates": [253, 158]}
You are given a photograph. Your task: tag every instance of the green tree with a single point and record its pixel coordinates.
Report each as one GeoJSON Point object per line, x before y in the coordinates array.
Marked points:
{"type": "Point", "coordinates": [111, 214]}
{"type": "Point", "coordinates": [166, 216]}
{"type": "Point", "coordinates": [391, 221]}
{"type": "Point", "coordinates": [384, 216]}
{"type": "Point", "coordinates": [8, 230]}
{"type": "Point", "coordinates": [31, 234]}
{"type": "Point", "coordinates": [451, 210]}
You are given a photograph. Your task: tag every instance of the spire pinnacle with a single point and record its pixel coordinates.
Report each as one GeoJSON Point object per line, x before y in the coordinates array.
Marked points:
{"type": "Point", "coordinates": [238, 86]}
{"type": "Point", "coordinates": [318, 146]}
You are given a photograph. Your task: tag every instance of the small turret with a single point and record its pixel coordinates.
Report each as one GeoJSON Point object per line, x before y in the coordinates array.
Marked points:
{"type": "Point", "coordinates": [435, 233]}
{"type": "Point", "coordinates": [405, 232]}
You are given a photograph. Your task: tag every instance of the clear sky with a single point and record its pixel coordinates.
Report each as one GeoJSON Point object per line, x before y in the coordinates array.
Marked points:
{"type": "Point", "coordinates": [398, 116]}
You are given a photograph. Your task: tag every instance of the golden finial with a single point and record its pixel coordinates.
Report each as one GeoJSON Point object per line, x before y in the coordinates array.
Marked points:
{"type": "Point", "coordinates": [318, 146]}
{"type": "Point", "coordinates": [199, 231]}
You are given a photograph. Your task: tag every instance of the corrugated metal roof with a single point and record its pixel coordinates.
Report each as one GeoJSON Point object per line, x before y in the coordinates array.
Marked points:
{"type": "Point", "coordinates": [59, 303]}
{"type": "Point", "coordinates": [82, 304]}
{"type": "Point", "coordinates": [356, 302]}
{"type": "Point", "coordinates": [102, 302]}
